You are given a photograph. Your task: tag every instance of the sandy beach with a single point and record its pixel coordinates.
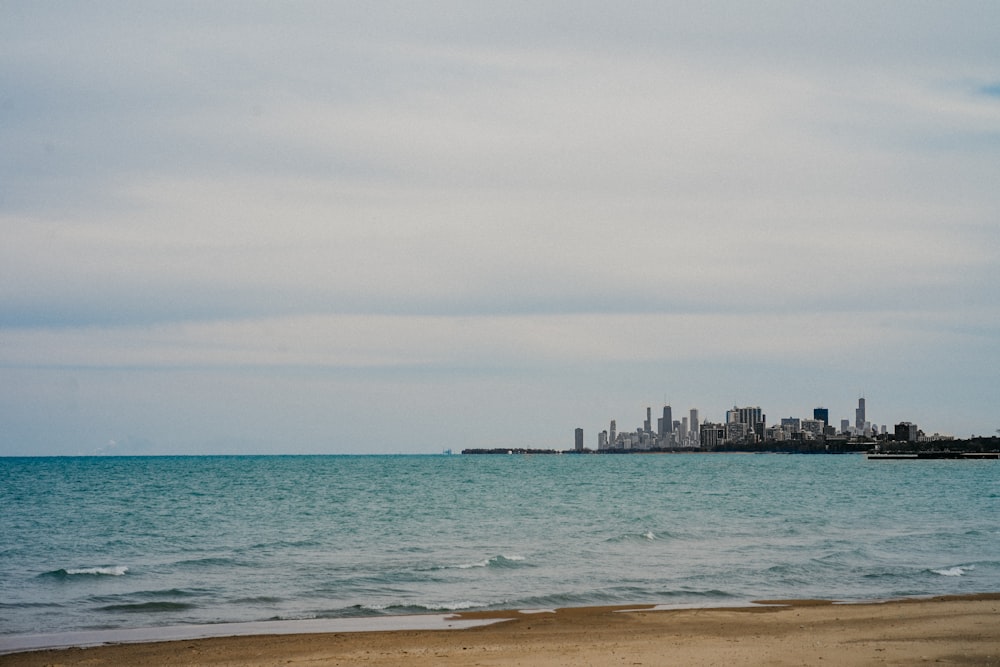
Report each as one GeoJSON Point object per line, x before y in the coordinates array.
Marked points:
{"type": "Point", "coordinates": [947, 630]}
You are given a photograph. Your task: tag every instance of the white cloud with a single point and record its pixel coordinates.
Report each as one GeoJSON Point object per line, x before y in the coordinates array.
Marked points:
{"type": "Point", "coordinates": [484, 342]}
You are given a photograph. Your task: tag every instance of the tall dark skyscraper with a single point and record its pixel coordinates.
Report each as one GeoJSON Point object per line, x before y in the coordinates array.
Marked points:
{"type": "Point", "coordinates": [823, 415]}
{"type": "Point", "coordinates": [668, 420]}
{"type": "Point", "coordinates": [579, 439]}
{"type": "Point", "coordinates": [859, 416]}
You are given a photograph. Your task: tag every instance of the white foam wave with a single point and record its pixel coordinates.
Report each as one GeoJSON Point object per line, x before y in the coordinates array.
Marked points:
{"type": "Point", "coordinates": [454, 606]}
{"type": "Point", "coordinates": [113, 571]}
{"type": "Point", "coordinates": [430, 606]}
{"type": "Point", "coordinates": [487, 562]}
{"type": "Point", "coordinates": [957, 571]}
{"type": "Point", "coordinates": [648, 536]}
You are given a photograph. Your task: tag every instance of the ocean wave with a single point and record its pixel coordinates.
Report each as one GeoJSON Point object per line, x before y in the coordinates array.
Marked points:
{"type": "Point", "coordinates": [711, 594]}
{"type": "Point", "coordinates": [397, 609]}
{"type": "Point", "coordinates": [209, 561]}
{"type": "Point", "coordinates": [648, 536]}
{"type": "Point", "coordinates": [552, 601]}
{"type": "Point", "coordinates": [302, 616]}
{"type": "Point", "coordinates": [30, 605]}
{"type": "Point", "coordinates": [140, 607]}
{"type": "Point", "coordinates": [169, 593]}
{"type": "Point", "coordinates": [496, 561]}
{"type": "Point", "coordinates": [883, 576]}
{"type": "Point", "coordinates": [956, 571]}
{"type": "Point", "coordinates": [557, 600]}
{"type": "Point", "coordinates": [353, 611]}
{"type": "Point", "coordinates": [281, 545]}
{"type": "Point", "coordinates": [109, 571]}
{"type": "Point", "coordinates": [459, 605]}
{"type": "Point", "coordinates": [841, 558]}
{"type": "Point", "coordinates": [260, 599]}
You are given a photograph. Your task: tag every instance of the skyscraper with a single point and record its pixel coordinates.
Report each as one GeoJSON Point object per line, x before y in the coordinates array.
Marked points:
{"type": "Point", "coordinates": [752, 417]}
{"type": "Point", "coordinates": [745, 415]}
{"type": "Point", "coordinates": [648, 425]}
{"type": "Point", "coordinates": [579, 439]}
{"type": "Point", "coordinates": [823, 415]}
{"type": "Point", "coordinates": [693, 422]}
{"type": "Point", "coordinates": [668, 420]}
{"type": "Point", "coordinates": [859, 416]}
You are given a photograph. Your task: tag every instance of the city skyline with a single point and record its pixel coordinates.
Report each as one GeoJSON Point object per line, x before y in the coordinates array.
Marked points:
{"type": "Point", "coordinates": [745, 425]}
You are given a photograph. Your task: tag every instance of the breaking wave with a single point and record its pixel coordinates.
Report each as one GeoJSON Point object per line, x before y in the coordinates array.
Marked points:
{"type": "Point", "coordinates": [648, 536]}
{"type": "Point", "coordinates": [496, 561]}
{"type": "Point", "coordinates": [141, 607]}
{"type": "Point", "coordinates": [957, 571]}
{"type": "Point", "coordinates": [111, 571]}
{"type": "Point", "coordinates": [458, 605]}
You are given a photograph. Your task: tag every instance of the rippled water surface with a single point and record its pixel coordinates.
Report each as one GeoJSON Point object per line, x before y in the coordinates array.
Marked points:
{"type": "Point", "coordinates": [90, 543]}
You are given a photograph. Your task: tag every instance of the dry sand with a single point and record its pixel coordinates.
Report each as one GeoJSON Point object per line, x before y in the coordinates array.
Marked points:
{"type": "Point", "coordinates": [949, 630]}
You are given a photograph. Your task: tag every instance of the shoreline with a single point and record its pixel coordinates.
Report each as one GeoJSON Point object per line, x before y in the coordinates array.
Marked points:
{"type": "Point", "coordinates": [83, 639]}
{"type": "Point", "coordinates": [455, 620]}
{"type": "Point", "coordinates": [954, 628]}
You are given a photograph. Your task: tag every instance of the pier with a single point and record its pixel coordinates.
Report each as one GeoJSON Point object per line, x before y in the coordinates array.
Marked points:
{"type": "Point", "coordinates": [904, 456]}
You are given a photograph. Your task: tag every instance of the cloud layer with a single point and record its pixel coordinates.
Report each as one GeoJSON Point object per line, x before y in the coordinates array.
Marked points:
{"type": "Point", "coordinates": [565, 211]}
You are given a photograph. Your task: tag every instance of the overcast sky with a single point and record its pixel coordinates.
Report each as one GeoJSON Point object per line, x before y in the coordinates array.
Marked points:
{"type": "Point", "coordinates": [258, 227]}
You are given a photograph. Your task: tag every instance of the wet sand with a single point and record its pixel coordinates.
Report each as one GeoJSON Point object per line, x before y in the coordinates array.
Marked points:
{"type": "Point", "coordinates": [948, 630]}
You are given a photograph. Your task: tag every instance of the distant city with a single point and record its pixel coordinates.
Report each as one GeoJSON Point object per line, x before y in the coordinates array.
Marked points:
{"type": "Point", "coordinates": [746, 429]}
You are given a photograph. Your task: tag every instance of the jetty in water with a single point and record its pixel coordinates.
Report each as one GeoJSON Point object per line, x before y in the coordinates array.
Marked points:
{"type": "Point", "coordinates": [911, 456]}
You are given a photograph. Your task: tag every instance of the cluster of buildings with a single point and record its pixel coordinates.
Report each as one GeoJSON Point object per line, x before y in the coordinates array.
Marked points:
{"type": "Point", "coordinates": [745, 426]}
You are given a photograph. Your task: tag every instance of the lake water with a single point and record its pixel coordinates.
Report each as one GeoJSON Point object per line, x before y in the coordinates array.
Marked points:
{"type": "Point", "coordinates": [112, 543]}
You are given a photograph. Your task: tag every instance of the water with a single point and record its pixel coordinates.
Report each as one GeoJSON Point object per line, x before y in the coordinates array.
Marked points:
{"type": "Point", "coordinates": [112, 543]}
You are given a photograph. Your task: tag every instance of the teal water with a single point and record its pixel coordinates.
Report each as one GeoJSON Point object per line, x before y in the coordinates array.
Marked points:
{"type": "Point", "coordinates": [107, 543]}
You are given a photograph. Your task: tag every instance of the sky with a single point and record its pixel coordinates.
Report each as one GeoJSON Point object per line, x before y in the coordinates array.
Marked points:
{"type": "Point", "coordinates": [395, 227]}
